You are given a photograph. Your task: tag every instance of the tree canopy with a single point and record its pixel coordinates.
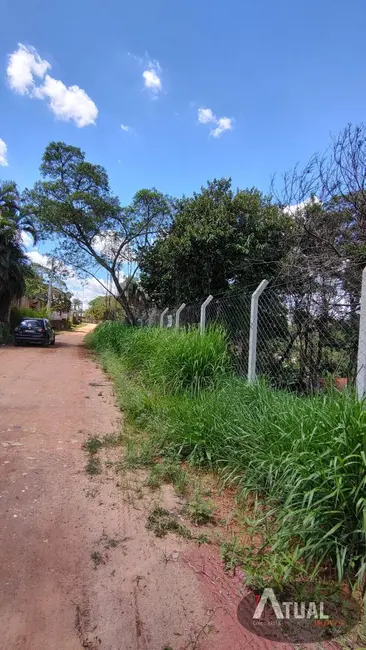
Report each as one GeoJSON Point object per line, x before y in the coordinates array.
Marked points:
{"type": "Point", "coordinates": [103, 308]}
{"type": "Point", "coordinates": [74, 203]}
{"type": "Point", "coordinates": [219, 238]}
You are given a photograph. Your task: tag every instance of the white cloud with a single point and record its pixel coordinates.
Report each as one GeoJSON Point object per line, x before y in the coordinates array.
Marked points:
{"type": "Point", "coordinates": [27, 239]}
{"type": "Point", "coordinates": [39, 258]}
{"type": "Point", "coordinates": [298, 208]}
{"type": "Point", "coordinates": [124, 127]}
{"type": "Point", "coordinates": [207, 116]}
{"type": "Point", "coordinates": [152, 78]}
{"type": "Point", "coordinates": [3, 154]}
{"type": "Point", "coordinates": [108, 243]}
{"type": "Point", "coordinates": [223, 124]}
{"type": "Point", "coordinates": [87, 290]}
{"type": "Point", "coordinates": [25, 64]}
{"type": "Point", "coordinates": [67, 103]}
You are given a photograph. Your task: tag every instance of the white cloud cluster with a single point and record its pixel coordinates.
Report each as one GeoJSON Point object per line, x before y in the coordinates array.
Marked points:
{"type": "Point", "coordinates": [222, 124]}
{"type": "Point", "coordinates": [24, 65]}
{"type": "Point", "coordinates": [3, 153]}
{"type": "Point", "coordinates": [152, 77]}
{"type": "Point", "coordinates": [70, 103]}
{"type": "Point", "coordinates": [124, 127]}
{"type": "Point", "coordinates": [298, 209]}
{"type": "Point", "coordinates": [205, 116]}
{"type": "Point", "coordinates": [87, 290]}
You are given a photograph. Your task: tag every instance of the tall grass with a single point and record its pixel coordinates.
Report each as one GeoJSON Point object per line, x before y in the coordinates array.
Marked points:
{"type": "Point", "coordinates": [174, 360]}
{"type": "Point", "coordinates": [304, 457]}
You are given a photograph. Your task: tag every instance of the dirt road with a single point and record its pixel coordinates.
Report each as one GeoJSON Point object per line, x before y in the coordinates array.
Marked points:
{"type": "Point", "coordinates": [78, 567]}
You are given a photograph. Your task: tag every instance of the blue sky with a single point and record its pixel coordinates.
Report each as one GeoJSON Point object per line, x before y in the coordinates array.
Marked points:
{"type": "Point", "coordinates": [284, 75]}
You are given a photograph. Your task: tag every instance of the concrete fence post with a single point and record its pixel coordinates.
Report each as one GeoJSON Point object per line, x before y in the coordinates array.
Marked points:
{"type": "Point", "coordinates": [162, 316]}
{"type": "Point", "coordinates": [361, 355]}
{"type": "Point", "coordinates": [178, 313]}
{"type": "Point", "coordinates": [203, 313]}
{"type": "Point", "coordinates": [252, 356]}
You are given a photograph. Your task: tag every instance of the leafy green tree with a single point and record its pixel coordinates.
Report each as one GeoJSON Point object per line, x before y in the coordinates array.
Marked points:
{"type": "Point", "coordinates": [219, 239]}
{"type": "Point", "coordinates": [61, 301]}
{"type": "Point", "coordinates": [35, 285]}
{"type": "Point", "coordinates": [74, 203]}
{"type": "Point", "coordinates": [103, 308]}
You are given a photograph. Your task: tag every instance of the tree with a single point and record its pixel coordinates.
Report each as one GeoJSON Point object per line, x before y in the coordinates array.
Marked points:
{"type": "Point", "coordinates": [321, 275]}
{"type": "Point", "coordinates": [14, 265]}
{"type": "Point", "coordinates": [103, 308]}
{"type": "Point", "coordinates": [74, 203]}
{"type": "Point", "coordinates": [219, 239]}
{"type": "Point", "coordinates": [327, 200]}
{"type": "Point", "coordinates": [61, 301]}
{"type": "Point", "coordinates": [35, 286]}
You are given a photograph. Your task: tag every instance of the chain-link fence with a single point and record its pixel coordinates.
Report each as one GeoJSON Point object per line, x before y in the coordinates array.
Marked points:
{"type": "Point", "coordinates": [302, 342]}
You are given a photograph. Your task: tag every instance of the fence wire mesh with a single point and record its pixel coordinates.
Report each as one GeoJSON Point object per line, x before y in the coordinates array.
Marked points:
{"type": "Point", "coordinates": [232, 312]}
{"type": "Point", "coordinates": [303, 341]}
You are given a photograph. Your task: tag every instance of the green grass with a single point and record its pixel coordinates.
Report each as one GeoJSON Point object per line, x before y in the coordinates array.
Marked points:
{"type": "Point", "coordinates": [303, 458]}
{"type": "Point", "coordinates": [199, 509]}
{"type": "Point", "coordinates": [168, 471]}
{"type": "Point", "coordinates": [174, 360]}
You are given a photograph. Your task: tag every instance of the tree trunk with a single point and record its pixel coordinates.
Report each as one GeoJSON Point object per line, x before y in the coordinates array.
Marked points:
{"type": "Point", "coordinates": [123, 300]}
{"type": "Point", "coordinates": [5, 303]}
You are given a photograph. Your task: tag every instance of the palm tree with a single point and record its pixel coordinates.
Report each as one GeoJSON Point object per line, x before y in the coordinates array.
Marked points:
{"type": "Point", "coordinates": [14, 264]}
{"type": "Point", "coordinates": [12, 218]}
{"type": "Point", "coordinates": [14, 268]}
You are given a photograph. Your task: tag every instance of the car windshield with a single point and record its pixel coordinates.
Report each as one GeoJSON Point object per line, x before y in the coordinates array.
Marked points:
{"type": "Point", "coordinates": [32, 322]}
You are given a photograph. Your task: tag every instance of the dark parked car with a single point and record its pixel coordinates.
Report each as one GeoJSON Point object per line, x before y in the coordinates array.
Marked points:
{"type": "Point", "coordinates": [34, 330]}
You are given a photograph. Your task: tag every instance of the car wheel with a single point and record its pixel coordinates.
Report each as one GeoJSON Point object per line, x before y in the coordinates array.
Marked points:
{"type": "Point", "coordinates": [53, 341]}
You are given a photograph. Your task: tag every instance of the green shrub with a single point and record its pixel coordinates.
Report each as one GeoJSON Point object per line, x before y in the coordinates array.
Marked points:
{"type": "Point", "coordinates": [17, 313]}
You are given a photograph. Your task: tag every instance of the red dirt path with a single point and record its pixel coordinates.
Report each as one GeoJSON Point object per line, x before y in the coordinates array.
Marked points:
{"type": "Point", "coordinates": [143, 593]}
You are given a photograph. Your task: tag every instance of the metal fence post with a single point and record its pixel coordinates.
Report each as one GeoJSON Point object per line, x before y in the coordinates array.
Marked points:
{"type": "Point", "coordinates": [162, 316]}
{"type": "Point", "coordinates": [361, 355]}
{"type": "Point", "coordinates": [252, 356]}
{"type": "Point", "coordinates": [203, 313]}
{"type": "Point", "coordinates": [178, 313]}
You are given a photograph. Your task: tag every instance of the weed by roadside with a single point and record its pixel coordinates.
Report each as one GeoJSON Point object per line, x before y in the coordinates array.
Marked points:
{"type": "Point", "coordinates": [161, 522]}
{"type": "Point", "coordinates": [168, 471]}
{"type": "Point", "coordinates": [92, 445]}
{"type": "Point", "coordinates": [97, 558]}
{"type": "Point", "coordinates": [199, 509]}
{"type": "Point", "coordinates": [94, 465]}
